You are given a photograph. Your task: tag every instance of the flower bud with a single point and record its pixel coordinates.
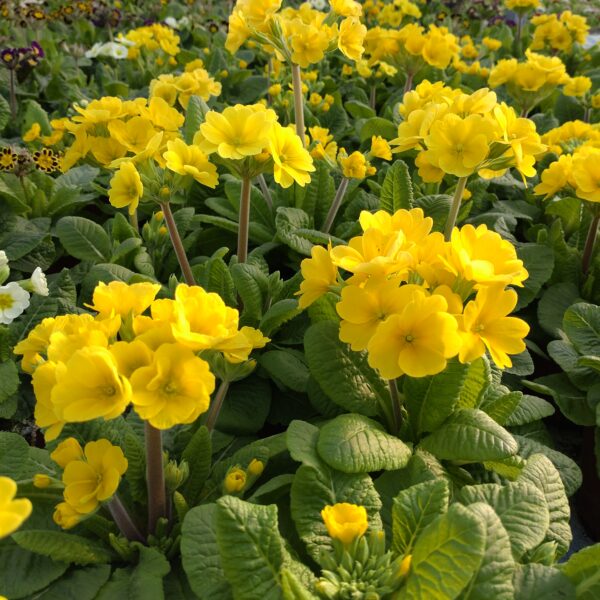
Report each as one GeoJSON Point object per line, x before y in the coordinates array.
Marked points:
{"type": "Point", "coordinates": [41, 481]}
{"type": "Point", "coordinates": [235, 481]}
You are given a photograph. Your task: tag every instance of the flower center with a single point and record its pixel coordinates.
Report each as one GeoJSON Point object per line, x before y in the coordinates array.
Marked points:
{"type": "Point", "coordinates": [6, 301]}
{"type": "Point", "coordinates": [108, 390]}
{"type": "Point", "coordinates": [409, 338]}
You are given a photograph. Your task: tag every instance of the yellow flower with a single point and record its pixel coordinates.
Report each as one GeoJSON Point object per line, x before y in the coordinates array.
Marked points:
{"type": "Point", "coordinates": [380, 148]}
{"type": "Point", "coordinates": [190, 160]}
{"type": "Point", "coordinates": [522, 4]}
{"type": "Point", "coordinates": [45, 413]}
{"type": "Point", "coordinates": [458, 146]}
{"type": "Point", "coordinates": [12, 512]}
{"type": "Point", "coordinates": [41, 481]}
{"type": "Point", "coordinates": [292, 162]}
{"type": "Point", "coordinates": [95, 477]}
{"type": "Point", "coordinates": [577, 86]}
{"type": "Point", "coordinates": [235, 481]}
{"type": "Point", "coordinates": [130, 356]}
{"type": "Point", "coordinates": [586, 175]}
{"type": "Point", "coordinates": [558, 175]}
{"type": "Point", "coordinates": [89, 386]}
{"type": "Point", "coordinates": [354, 166]}
{"type": "Point", "coordinates": [405, 565]}
{"type": "Point", "coordinates": [126, 187]}
{"type": "Point", "coordinates": [237, 349]}
{"type": "Point", "coordinates": [346, 8]}
{"type": "Point", "coordinates": [33, 133]}
{"type": "Point", "coordinates": [65, 516]}
{"type": "Point", "coordinates": [485, 324]}
{"type": "Point", "coordinates": [119, 298]}
{"type": "Point", "coordinates": [309, 43]}
{"type": "Point", "coordinates": [237, 132]}
{"type": "Point", "coordinates": [596, 101]}
{"type": "Point", "coordinates": [256, 467]}
{"type": "Point", "coordinates": [417, 341]}
{"type": "Point", "coordinates": [275, 89]}
{"type": "Point", "coordinates": [134, 134]}
{"type": "Point", "coordinates": [174, 389]}
{"type": "Point", "coordinates": [67, 451]}
{"type": "Point", "coordinates": [492, 44]}
{"type": "Point", "coordinates": [351, 37]}
{"type": "Point", "coordinates": [345, 522]}
{"type": "Point", "coordinates": [318, 275]}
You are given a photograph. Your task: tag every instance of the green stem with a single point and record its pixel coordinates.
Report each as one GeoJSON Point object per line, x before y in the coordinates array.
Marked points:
{"type": "Point", "coordinates": [397, 402]}
{"type": "Point", "coordinates": [458, 194]}
{"type": "Point", "coordinates": [408, 84]}
{"type": "Point", "coordinates": [265, 191]}
{"type": "Point", "coordinates": [298, 102]}
{"type": "Point", "coordinates": [133, 220]}
{"type": "Point", "coordinates": [12, 94]}
{"type": "Point", "coordinates": [155, 477]}
{"type": "Point", "coordinates": [590, 242]}
{"type": "Point", "coordinates": [518, 40]}
{"type": "Point", "coordinates": [216, 405]}
{"type": "Point", "coordinates": [123, 520]}
{"type": "Point", "coordinates": [373, 97]}
{"type": "Point", "coordinates": [244, 221]}
{"type": "Point", "coordinates": [177, 244]}
{"type": "Point", "coordinates": [335, 205]}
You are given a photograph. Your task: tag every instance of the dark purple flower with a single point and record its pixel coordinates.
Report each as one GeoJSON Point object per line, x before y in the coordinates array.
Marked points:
{"type": "Point", "coordinates": [37, 50]}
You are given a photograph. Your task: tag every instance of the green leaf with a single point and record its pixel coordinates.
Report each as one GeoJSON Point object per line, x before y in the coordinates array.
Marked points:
{"type": "Point", "coordinates": [279, 313]}
{"type": "Point", "coordinates": [356, 444]}
{"type": "Point", "coordinates": [136, 466]}
{"type": "Point", "coordinates": [313, 489]}
{"type": "Point", "coordinates": [567, 357]}
{"type": "Point", "coordinates": [534, 581]}
{"type": "Point", "coordinates": [344, 375]}
{"type": "Point", "coordinates": [319, 193]}
{"type": "Point", "coordinates": [287, 368]}
{"type": "Point", "coordinates": [553, 304]}
{"type": "Point", "coordinates": [200, 554]}
{"type": "Point", "coordinates": [288, 221]}
{"type": "Point", "coordinates": [146, 581]}
{"type": "Point", "coordinates": [570, 473]}
{"type": "Point", "coordinates": [539, 262]}
{"type": "Point", "coordinates": [4, 113]}
{"type": "Point", "coordinates": [470, 435]}
{"type": "Point", "coordinates": [252, 551]}
{"type": "Point", "coordinates": [78, 584]}
{"type": "Point", "coordinates": [247, 280]}
{"type": "Point", "coordinates": [14, 453]}
{"type": "Point", "coordinates": [521, 508]}
{"type": "Point", "coordinates": [302, 439]}
{"type": "Point", "coordinates": [449, 550]}
{"type": "Point", "coordinates": [581, 323]}
{"type": "Point", "coordinates": [83, 239]}
{"type": "Point", "coordinates": [476, 382]}
{"type": "Point", "coordinates": [246, 406]}
{"type": "Point", "coordinates": [9, 380]}
{"type": "Point", "coordinates": [23, 573]}
{"type": "Point", "coordinates": [499, 403]}
{"type": "Point", "coordinates": [378, 126]}
{"type": "Point", "coordinates": [34, 113]}
{"type": "Point", "coordinates": [359, 110]}
{"type": "Point", "coordinates": [397, 190]}
{"type": "Point", "coordinates": [540, 472]}
{"type": "Point", "coordinates": [292, 587]}
{"type": "Point", "coordinates": [431, 400]}
{"type": "Point", "coordinates": [197, 454]}
{"type": "Point", "coordinates": [529, 410]}
{"type": "Point", "coordinates": [65, 547]}
{"type": "Point", "coordinates": [494, 578]}
{"type": "Point", "coordinates": [583, 572]}
{"type": "Point", "coordinates": [414, 509]}
{"type": "Point", "coordinates": [194, 117]}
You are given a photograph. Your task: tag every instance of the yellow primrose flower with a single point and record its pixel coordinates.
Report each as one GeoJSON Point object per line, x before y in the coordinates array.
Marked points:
{"type": "Point", "coordinates": [67, 451]}
{"type": "Point", "coordinates": [308, 42]}
{"type": "Point", "coordinates": [596, 101]}
{"type": "Point", "coordinates": [318, 275]}
{"type": "Point", "coordinates": [256, 467]}
{"type": "Point", "coordinates": [65, 516]}
{"type": "Point", "coordinates": [380, 148]}
{"type": "Point", "coordinates": [557, 176]}
{"type": "Point", "coordinates": [12, 512]}
{"type": "Point", "coordinates": [291, 161]}
{"type": "Point", "coordinates": [119, 298]}
{"type": "Point", "coordinates": [190, 160]}
{"type": "Point", "coordinates": [275, 89]}
{"type": "Point", "coordinates": [577, 86]}
{"type": "Point", "coordinates": [134, 134]}
{"type": "Point", "coordinates": [237, 349]}
{"type": "Point", "coordinates": [33, 133]}
{"type": "Point", "coordinates": [417, 341]}
{"type": "Point", "coordinates": [45, 413]}
{"type": "Point", "coordinates": [41, 481]}
{"type": "Point", "coordinates": [235, 481]}
{"type": "Point", "coordinates": [345, 522]}
{"type": "Point", "coordinates": [174, 389]}
{"type": "Point", "coordinates": [95, 477]}
{"type": "Point", "coordinates": [354, 166]}
{"type": "Point", "coordinates": [130, 356]}
{"type": "Point", "coordinates": [88, 386]}
{"type": "Point", "coordinates": [486, 324]}
{"type": "Point", "coordinates": [405, 565]}
{"type": "Point", "coordinates": [492, 44]}
{"type": "Point", "coordinates": [346, 8]}
{"type": "Point", "coordinates": [237, 132]}
{"type": "Point", "coordinates": [351, 37]}
{"type": "Point", "coordinates": [126, 187]}
{"type": "Point", "coordinates": [586, 175]}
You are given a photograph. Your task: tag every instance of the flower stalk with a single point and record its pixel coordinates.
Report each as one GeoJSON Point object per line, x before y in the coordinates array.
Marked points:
{"type": "Point", "coordinates": [216, 405]}
{"type": "Point", "coordinates": [155, 477]}
{"type": "Point", "coordinates": [265, 191]}
{"type": "Point", "coordinates": [397, 402]}
{"type": "Point", "coordinates": [123, 520]}
{"type": "Point", "coordinates": [177, 244]}
{"type": "Point", "coordinates": [335, 205]}
{"type": "Point", "coordinates": [244, 221]}
{"type": "Point", "coordinates": [455, 207]}
{"type": "Point", "coordinates": [590, 242]}
{"type": "Point", "coordinates": [298, 102]}
{"type": "Point", "coordinates": [12, 94]}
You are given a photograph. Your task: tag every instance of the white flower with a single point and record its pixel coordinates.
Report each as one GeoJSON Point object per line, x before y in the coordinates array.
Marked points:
{"type": "Point", "coordinates": [3, 259]}
{"type": "Point", "coordinates": [13, 301]}
{"type": "Point", "coordinates": [114, 50]}
{"type": "Point", "coordinates": [318, 4]}
{"type": "Point", "coordinates": [171, 22]}
{"type": "Point", "coordinates": [39, 283]}
{"type": "Point", "coordinates": [93, 51]}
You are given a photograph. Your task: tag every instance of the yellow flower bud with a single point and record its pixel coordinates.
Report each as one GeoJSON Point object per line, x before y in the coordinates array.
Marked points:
{"type": "Point", "coordinates": [162, 230]}
{"type": "Point", "coordinates": [256, 467]}
{"type": "Point", "coordinates": [405, 565]}
{"type": "Point", "coordinates": [41, 481]}
{"type": "Point", "coordinates": [235, 481]}
{"type": "Point", "coordinates": [164, 193]}
{"type": "Point", "coordinates": [275, 89]}
{"type": "Point", "coordinates": [345, 522]}
{"type": "Point", "coordinates": [159, 215]}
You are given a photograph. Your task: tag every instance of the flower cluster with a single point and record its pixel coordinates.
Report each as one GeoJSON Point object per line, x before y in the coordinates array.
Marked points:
{"type": "Point", "coordinates": [91, 475]}
{"type": "Point", "coordinates": [460, 134]}
{"type": "Point", "coordinates": [558, 33]}
{"type": "Point", "coordinates": [87, 367]}
{"type": "Point", "coordinates": [155, 39]}
{"type": "Point", "coordinates": [21, 59]}
{"type": "Point", "coordinates": [413, 300]}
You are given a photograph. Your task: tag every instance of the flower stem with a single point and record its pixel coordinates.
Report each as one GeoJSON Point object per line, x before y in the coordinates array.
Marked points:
{"type": "Point", "coordinates": [216, 405]}
{"type": "Point", "coordinates": [590, 241]}
{"type": "Point", "coordinates": [458, 194]}
{"type": "Point", "coordinates": [397, 402]}
{"type": "Point", "coordinates": [12, 94]}
{"type": "Point", "coordinates": [244, 221]}
{"type": "Point", "coordinates": [373, 97]}
{"type": "Point", "coordinates": [298, 102]}
{"type": "Point", "coordinates": [335, 205]}
{"type": "Point", "coordinates": [265, 191]}
{"type": "Point", "coordinates": [518, 41]}
{"type": "Point", "coordinates": [133, 220]}
{"type": "Point", "coordinates": [123, 520]}
{"type": "Point", "coordinates": [408, 84]}
{"type": "Point", "coordinates": [155, 476]}
{"type": "Point", "coordinates": [177, 244]}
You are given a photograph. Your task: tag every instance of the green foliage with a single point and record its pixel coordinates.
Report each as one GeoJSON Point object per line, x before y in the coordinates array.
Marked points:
{"type": "Point", "coordinates": [397, 189]}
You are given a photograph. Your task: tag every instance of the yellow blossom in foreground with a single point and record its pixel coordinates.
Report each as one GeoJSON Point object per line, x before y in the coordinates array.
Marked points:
{"type": "Point", "coordinates": [65, 516]}
{"type": "Point", "coordinates": [380, 148]}
{"type": "Point", "coordinates": [309, 42]}
{"type": "Point", "coordinates": [354, 166]}
{"type": "Point", "coordinates": [586, 175]}
{"type": "Point", "coordinates": [12, 512]}
{"type": "Point", "coordinates": [577, 86]}
{"type": "Point", "coordinates": [350, 38]}
{"type": "Point", "coordinates": [45, 413]}
{"type": "Point", "coordinates": [291, 161]}
{"type": "Point", "coordinates": [33, 133]}
{"type": "Point", "coordinates": [190, 160]}
{"type": "Point", "coordinates": [345, 522]}
{"type": "Point", "coordinates": [318, 273]}
{"type": "Point", "coordinates": [67, 451]}
{"type": "Point", "coordinates": [119, 298]}
{"type": "Point", "coordinates": [485, 324]}
{"type": "Point", "coordinates": [558, 175]}
{"type": "Point", "coordinates": [126, 187]}
{"type": "Point", "coordinates": [174, 389]}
